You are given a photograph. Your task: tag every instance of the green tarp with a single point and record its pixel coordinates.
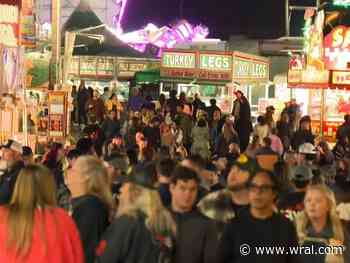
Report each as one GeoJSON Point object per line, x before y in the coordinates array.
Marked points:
{"type": "Point", "coordinates": [147, 76]}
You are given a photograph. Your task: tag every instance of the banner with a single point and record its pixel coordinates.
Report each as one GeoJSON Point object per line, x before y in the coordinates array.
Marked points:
{"type": "Point", "coordinates": [9, 23]}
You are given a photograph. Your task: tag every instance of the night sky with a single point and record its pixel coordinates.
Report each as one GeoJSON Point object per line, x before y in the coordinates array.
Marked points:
{"type": "Point", "coordinates": [255, 18]}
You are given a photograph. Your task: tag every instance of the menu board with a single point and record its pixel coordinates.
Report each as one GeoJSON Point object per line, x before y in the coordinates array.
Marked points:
{"type": "Point", "coordinates": [88, 66]}
{"type": "Point", "coordinates": [57, 114]}
{"type": "Point", "coordinates": [105, 67]}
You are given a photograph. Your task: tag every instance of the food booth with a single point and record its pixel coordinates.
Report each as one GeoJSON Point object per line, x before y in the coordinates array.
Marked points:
{"type": "Point", "coordinates": [213, 74]}
{"type": "Point", "coordinates": [322, 75]}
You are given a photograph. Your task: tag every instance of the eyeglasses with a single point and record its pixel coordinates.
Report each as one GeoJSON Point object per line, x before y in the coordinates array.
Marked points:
{"type": "Point", "coordinates": [238, 188]}
{"type": "Point", "coordinates": [261, 188]}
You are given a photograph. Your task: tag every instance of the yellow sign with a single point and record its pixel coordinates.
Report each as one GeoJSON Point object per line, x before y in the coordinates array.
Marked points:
{"type": "Point", "coordinates": [341, 77]}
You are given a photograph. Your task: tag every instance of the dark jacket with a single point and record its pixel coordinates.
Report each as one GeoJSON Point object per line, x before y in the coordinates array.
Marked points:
{"type": "Point", "coordinates": [92, 218]}
{"type": "Point", "coordinates": [128, 240]}
{"type": "Point", "coordinates": [300, 137]}
{"type": "Point", "coordinates": [110, 128]}
{"type": "Point", "coordinates": [196, 238]}
{"type": "Point", "coordinates": [8, 181]}
{"type": "Point", "coordinates": [252, 233]}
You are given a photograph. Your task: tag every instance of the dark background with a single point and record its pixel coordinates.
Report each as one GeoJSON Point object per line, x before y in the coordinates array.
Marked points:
{"type": "Point", "coordinates": [255, 18]}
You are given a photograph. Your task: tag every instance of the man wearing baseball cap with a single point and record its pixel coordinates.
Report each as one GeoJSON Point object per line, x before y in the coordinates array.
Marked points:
{"type": "Point", "coordinates": [10, 165]}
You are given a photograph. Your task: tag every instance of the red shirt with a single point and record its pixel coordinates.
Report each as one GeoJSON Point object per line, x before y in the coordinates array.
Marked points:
{"type": "Point", "coordinates": [62, 239]}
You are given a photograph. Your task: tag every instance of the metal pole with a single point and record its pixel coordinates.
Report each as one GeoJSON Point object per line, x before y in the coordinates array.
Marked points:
{"type": "Point", "coordinates": [287, 18]}
{"type": "Point", "coordinates": [56, 38]}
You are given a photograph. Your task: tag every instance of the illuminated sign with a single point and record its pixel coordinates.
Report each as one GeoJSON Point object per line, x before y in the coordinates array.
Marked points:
{"type": "Point", "coordinates": [345, 3]}
{"type": "Point", "coordinates": [337, 49]}
{"type": "Point", "coordinates": [315, 76]}
{"type": "Point", "coordinates": [341, 77]}
{"type": "Point", "coordinates": [178, 73]}
{"type": "Point", "coordinates": [215, 62]}
{"type": "Point", "coordinates": [9, 27]}
{"type": "Point", "coordinates": [294, 76]}
{"type": "Point", "coordinates": [129, 68]}
{"type": "Point", "coordinates": [338, 38]}
{"type": "Point", "coordinates": [179, 60]}
{"type": "Point", "coordinates": [249, 69]}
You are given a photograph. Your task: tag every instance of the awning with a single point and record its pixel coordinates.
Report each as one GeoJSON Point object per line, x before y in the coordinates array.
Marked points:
{"type": "Point", "coordinates": [149, 76]}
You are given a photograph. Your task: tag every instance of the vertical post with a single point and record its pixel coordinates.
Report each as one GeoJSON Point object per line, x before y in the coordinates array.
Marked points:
{"type": "Point", "coordinates": [56, 40]}
{"type": "Point", "coordinates": [287, 18]}
{"type": "Point", "coordinates": [322, 110]}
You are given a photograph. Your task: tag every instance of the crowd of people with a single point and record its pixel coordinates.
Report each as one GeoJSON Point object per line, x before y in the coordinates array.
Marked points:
{"type": "Point", "coordinates": [177, 181]}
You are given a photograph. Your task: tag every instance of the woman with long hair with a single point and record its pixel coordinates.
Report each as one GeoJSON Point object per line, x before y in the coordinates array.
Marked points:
{"type": "Point", "coordinates": [32, 228]}
{"type": "Point", "coordinates": [143, 230]}
{"type": "Point", "coordinates": [227, 137]}
{"type": "Point", "coordinates": [320, 227]}
{"type": "Point", "coordinates": [90, 185]}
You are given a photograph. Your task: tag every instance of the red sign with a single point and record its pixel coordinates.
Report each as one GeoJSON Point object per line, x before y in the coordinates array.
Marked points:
{"type": "Point", "coordinates": [178, 73]}
{"type": "Point", "coordinates": [9, 22]}
{"type": "Point", "coordinates": [210, 75]}
{"type": "Point", "coordinates": [337, 49]}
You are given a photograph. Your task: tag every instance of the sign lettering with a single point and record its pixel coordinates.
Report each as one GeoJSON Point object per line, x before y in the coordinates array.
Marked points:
{"type": "Point", "coordinates": [178, 60]}
{"type": "Point", "coordinates": [215, 62]}
{"type": "Point", "coordinates": [341, 77]}
{"type": "Point", "coordinates": [250, 69]}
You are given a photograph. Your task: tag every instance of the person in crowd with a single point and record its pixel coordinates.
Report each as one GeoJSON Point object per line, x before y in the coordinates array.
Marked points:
{"type": "Point", "coordinates": [209, 180]}
{"type": "Point", "coordinates": [113, 104]}
{"type": "Point", "coordinates": [227, 137]}
{"type": "Point", "coordinates": [74, 96]}
{"type": "Point", "coordinates": [304, 134]}
{"type": "Point", "coordinates": [106, 95]}
{"type": "Point", "coordinates": [341, 184]}
{"type": "Point", "coordinates": [261, 129]}
{"type": "Point", "coordinates": [134, 127]}
{"type": "Point", "coordinates": [341, 149]}
{"type": "Point", "coordinates": [293, 110]}
{"type": "Point", "coordinates": [86, 146]}
{"type": "Point", "coordinates": [284, 130]}
{"type": "Point", "coordinates": [136, 101]}
{"type": "Point", "coordinates": [83, 98]}
{"type": "Point", "coordinates": [319, 226]}
{"type": "Point", "coordinates": [164, 169]}
{"type": "Point", "coordinates": [32, 228]}
{"type": "Point", "coordinates": [269, 117]}
{"type": "Point", "coordinates": [197, 105]}
{"type": "Point", "coordinates": [253, 147]}
{"type": "Point", "coordinates": [266, 148]}
{"type": "Point", "coordinates": [54, 161]}
{"type": "Point", "coordinates": [211, 110]}
{"type": "Point", "coordinates": [172, 103]}
{"type": "Point", "coordinates": [143, 230]}
{"type": "Point", "coordinates": [259, 226]}
{"type": "Point", "coordinates": [186, 124]}
{"type": "Point", "coordinates": [167, 137]}
{"type": "Point", "coordinates": [182, 98]}
{"type": "Point", "coordinates": [200, 137]}
{"type": "Point", "coordinates": [110, 126]}
{"type": "Point", "coordinates": [27, 155]}
{"type": "Point", "coordinates": [95, 108]}
{"type": "Point", "coordinates": [197, 239]}
{"type": "Point", "coordinates": [283, 172]}
{"type": "Point", "coordinates": [10, 165]}
{"type": "Point", "coordinates": [222, 206]}
{"type": "Point", "coordinates": [242, 119]}
{"type": "Point", "coordinates": [90, 92]}
{"type": "Point", "coordinates": [294, 201]}
{"type": "Point", "coordinates": [152, 132]}
{"type": "Point", "coordinates": [276, 143]}
{"type": "Point", "coordinates": [324, 155]}
{"type": "Point", "coordinates": [162, 105]}
{"type": "Point", "coordinates": [92, 203]}
{"type": "Point", "coordinates": [344, 129]}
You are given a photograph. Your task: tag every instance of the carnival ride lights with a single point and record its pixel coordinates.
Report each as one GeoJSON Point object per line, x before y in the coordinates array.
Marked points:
{"type": "Point", "coordinates": [161, 37]}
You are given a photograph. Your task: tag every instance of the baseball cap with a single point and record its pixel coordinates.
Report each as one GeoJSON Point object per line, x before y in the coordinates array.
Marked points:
{"type": "Point", "coordinates": [302, 173]}
{"type": "Point", "coordinates": [142, 177]}
{"type": "Point", "coordinates": [26, 151]}
{"type": "Point", "coordinates": [307, 148]}
{"type": "Point", "coordinates": [13, 145]}
{"type": "Point", "coordinates": [245, 163]}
